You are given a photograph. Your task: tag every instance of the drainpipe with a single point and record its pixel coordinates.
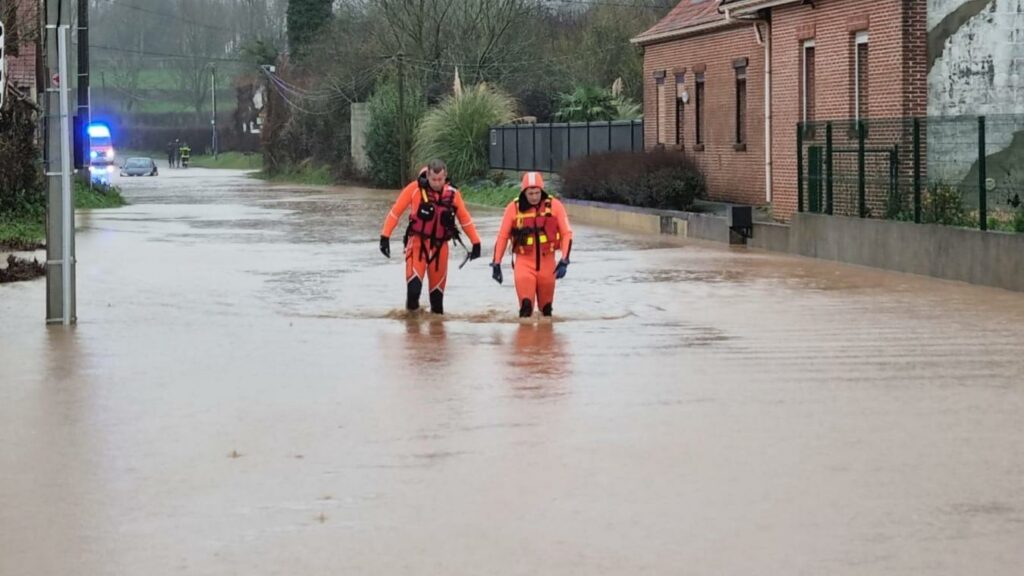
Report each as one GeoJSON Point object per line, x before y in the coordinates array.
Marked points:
{"type": "Point", "coordinates": [765, 40]}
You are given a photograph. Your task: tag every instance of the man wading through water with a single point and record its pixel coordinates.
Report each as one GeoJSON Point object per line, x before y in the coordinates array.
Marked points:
{"type": "Point", "coordinates": [434, 204]}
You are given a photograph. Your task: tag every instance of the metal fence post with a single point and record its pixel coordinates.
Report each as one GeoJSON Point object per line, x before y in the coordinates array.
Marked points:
{"type": "Point", "coordinates": [982, 177]}
{"type": "Point", "coordinates": [609, 135]}
{"type": "Point", "coordinates": [862, 201]}
{"type": "Point", "coordinates": [588, 138]}
{"type": "Point", "coordinates": [551, 147]}
{"type": "Point", "coordinates": [828, 168]}
{"type": "Point", "coordinates": [504, 163]}
{"type": "Point", "coordinates": [518, 163]}
{"type": "Point", "coordinates": [568, 141]}
{"type": "Point", "coordinates": [917, 170]}
{"type": "Point", "coordinates": [632, 136]}
{"type": "Point", "coordinates": [799, 167]}
{"type": "Point", "coordinates": [895, 199]}
{"type": "Point", "coordinates": [533, 136]}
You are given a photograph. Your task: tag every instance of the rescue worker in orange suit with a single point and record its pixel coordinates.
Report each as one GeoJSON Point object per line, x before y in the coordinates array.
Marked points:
{"type": "Point", "coordinates": [536, 224]}
{"type": "Point", "coordinates": [434, 205]}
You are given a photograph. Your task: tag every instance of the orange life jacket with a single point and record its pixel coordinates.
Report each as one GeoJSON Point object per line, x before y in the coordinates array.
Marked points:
{"type": "Point", "coordinates": [535, 229]}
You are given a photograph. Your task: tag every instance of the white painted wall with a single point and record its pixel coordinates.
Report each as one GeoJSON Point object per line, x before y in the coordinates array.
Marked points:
{"type": "Point", "coordinates": [980, 71]}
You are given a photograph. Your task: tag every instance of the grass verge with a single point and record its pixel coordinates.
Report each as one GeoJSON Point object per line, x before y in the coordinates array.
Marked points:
{"type": "Point", "coordinates": [306, 175]}
{"type": "Point", "coordinates": [28, 231]}
{"type": "Point", "coordinates": [229, 161]}
{"type": "Point", "coordinates": [489, 195]}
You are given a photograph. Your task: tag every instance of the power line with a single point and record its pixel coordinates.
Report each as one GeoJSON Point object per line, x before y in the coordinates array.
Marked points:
{"type": "Point", "coordinates": [164, 54]}
{"type": "Point", "coordinates": [293, 95]}
{"type": "Point", "coordinates": [637, 5]}
{"type": "Point", "coordinates": [513, 64]}
{"type": "Point", "coordinates": [173, 16]}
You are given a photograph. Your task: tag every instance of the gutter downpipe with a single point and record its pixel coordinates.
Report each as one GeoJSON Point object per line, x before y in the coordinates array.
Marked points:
{"type": "Point", "coordinates": [765, 40]}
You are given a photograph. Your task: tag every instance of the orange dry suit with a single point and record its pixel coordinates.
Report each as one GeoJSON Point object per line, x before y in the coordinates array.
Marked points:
{"type": "Point", "coordinates": [535, 232]}
{"type": "Point", "coordinates": [432, 217]}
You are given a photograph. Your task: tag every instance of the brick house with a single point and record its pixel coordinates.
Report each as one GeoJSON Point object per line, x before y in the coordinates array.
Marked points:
{"type": "Point", "coordinates": [23, 53]}
{"type": "Point", "coordinates": [723, 77]}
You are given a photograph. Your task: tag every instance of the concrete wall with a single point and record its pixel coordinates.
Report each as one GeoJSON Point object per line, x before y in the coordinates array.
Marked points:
{"type": "Point", "coordinates": [360, 124]}
{"type": "Point", "coordinates": [639, 220]}
{"type": "Point", "coordinates": [984, 258]}
{"type": "Point", "coordinates": [691, 225]}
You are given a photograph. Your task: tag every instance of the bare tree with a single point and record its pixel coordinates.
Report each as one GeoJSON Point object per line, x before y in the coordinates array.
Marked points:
{"type": "Point", "coordinates": [121, 38]}
{"type": "Point", "coordinates": [200, 46]}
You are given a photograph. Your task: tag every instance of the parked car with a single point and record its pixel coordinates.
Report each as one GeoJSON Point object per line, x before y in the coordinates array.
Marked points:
{"type": "Point", "coordinates": [139, 167]}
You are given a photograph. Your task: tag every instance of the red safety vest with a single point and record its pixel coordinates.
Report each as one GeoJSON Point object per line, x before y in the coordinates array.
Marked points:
{"type": "Point", "coordinates": [434, 218]}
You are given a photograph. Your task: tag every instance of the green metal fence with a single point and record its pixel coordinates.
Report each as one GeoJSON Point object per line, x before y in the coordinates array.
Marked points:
{"type": "Point", "coordinates": [960, 171]}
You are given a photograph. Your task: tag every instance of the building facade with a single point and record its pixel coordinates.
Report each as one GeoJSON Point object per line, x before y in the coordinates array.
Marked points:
{"type": "Point", "coordinates": [23, 51]}
{"type": "Point", "coordinates": [723, 78]}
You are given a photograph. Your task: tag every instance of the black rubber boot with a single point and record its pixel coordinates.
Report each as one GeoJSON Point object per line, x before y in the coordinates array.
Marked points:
{"type": "Point", "coordinates": [546, 310]}
{"type": "Point", "coordinates": [437, 302]}
{"type": "Point", "coordinates": [526, 310]}
{"type": "Point", "coordinates": [412, 294]}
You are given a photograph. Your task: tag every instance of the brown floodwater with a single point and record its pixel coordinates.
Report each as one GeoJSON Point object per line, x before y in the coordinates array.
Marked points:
{"type": "Point", "coordinates": [243, 394]}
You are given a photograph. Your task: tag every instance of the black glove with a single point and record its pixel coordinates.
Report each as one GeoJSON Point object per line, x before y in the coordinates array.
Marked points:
{"type": "Point", "coordinates": [385, 246]}
{"type": "Point", "coordinates": [560, 270]}
{"type": "Point", "coordinates": [476, 251]}
{"type": "Point", "coordinates": [423, 182]}
{"type": "Point", "coordinates": [496, 272]}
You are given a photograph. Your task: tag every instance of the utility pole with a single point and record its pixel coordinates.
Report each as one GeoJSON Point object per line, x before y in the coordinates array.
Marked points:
{"type": "Point", "coordinates": [60, 212]}
{"type": "Point", "coordinates": [213, 119]}
{"type": "Point", "coordinates": [84, 95]}
{"type": "Point", "coordinates": [401, 120]}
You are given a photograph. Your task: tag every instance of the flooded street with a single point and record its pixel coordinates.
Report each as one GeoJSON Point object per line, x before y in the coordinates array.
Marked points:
{"type": "Point", "coordinates": [244, 394]}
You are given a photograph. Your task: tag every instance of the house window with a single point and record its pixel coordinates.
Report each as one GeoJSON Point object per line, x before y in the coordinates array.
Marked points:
{"type": "Point", "coordinates": [659, 110]}
{"type": "Point", "coordinates": [860, 76]}
{"type": "Point", "coordinates": [699, 104]}
{"type": "Point", "coordinates": [741, 105]}
{"type": "Point", "coordinates": [680, 107]}
{"type": "Point", "coordinates": [807, 82]}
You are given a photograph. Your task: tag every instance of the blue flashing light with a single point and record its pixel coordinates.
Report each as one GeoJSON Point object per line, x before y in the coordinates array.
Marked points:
{"type": "Point", "coordinates": [98, 131]}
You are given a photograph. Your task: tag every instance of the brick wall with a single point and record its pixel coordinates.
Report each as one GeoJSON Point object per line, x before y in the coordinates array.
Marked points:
{"type": "Point", "coordinates": [833, 24]}
{"type": "Point", "coordinates": [732, 175]}
{"type": "Point", "coordinates": [915, 62]}
{"type": "Point", "coordinates": [896, 81]}
{"type": "Point", "coordinates": [21, 69]}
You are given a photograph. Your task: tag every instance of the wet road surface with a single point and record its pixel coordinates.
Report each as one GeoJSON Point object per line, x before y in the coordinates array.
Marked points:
{"type": "Point", "coordinates": [244, 395]}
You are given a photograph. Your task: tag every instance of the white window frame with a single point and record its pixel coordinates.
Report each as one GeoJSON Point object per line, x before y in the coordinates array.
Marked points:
{"type": "Point", "coordinates": [858, 39]}
{"type": "Point", "coordinates": [803, 74]}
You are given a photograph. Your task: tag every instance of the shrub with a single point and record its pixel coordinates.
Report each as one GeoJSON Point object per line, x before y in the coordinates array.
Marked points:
{"type": "Point", "coordinates": [944, 204]}
{"type": "Point", "coordinates": [658, 179]}
{"type": "Point", "coordinates": [592, 104]}
{"type": "Point", "coordinates": [382, 134]}
{"type": "Point", "coordinates": [22, 188]}
{"type": "Point", "coordinates": [456, 131]}
{"type": "Point", "coordinates": [1018, 220]}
